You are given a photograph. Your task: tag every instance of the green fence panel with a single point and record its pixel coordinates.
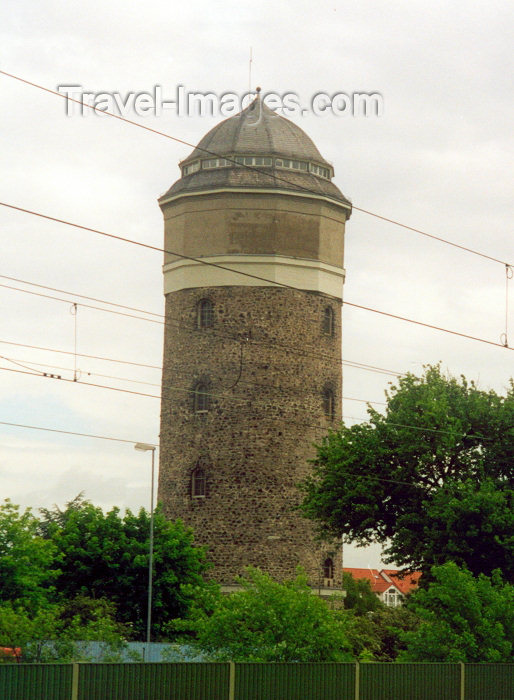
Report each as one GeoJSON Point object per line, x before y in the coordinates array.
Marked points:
{"type": "Point", "coordinates": [154, 681]}
{"type": "Point", "coordinates": [295, 681]}
{"type": "Point", "coordinates": [390, 681]}
{"type": "Point", "coordinates": [489, 681]}
{"type": "Point", "coordinates": [35, 681]}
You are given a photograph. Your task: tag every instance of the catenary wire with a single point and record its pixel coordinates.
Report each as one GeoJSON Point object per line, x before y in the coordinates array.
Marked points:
{"type": "Point", "coordinates": [176, 323]}
{"type": "Point", "coordinates": [271, 176]}
{"type": "Point", "coordinates": [274, 176]}
{"type": "Point", "coordinates": [167, 319]}
{"type": "Point", "coordinates": [166, 387]}
{"type": "Point", "coordinates": [348, 363]}
{"type": "Point", "coordinates": [132, 442]}
{"type": "Point", "coordinates": [326, 428]}
{"type": "Point", "coordinates": [85, 306]}
{"type": "Point", "coordinates": [82, 296]}
{"type": "Point", "coordinates": [282, 390]}
{"type": "Point", "coordinates": [72, 432]}
{"type": "Point", "coordinates": [257, 277]}
{"type": "Point", "coordinates": [153, 396]}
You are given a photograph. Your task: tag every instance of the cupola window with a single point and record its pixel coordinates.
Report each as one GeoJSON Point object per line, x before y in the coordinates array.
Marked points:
{"type": "Point", "coordinates": [191, 168]}
{"type": "Point", "coordinates": [319, 170]}
{"type": "Point", "coordinates": [215, 163]}
{"type": "Point", "coordinates": [253, 160]}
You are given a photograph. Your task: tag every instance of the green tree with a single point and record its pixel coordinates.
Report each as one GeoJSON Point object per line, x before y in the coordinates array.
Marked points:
{"type": "Point", "coordinates": [389, 626]}
{"type": "Point", "coordinates": [358, 595]}
{"type": "Point", "coordinates": [463, 618]}
{"type": "Point", "coordinates": [442, 453]}
{"type": "Point", "coordinates": [27, 567]}
{"type": "Point", "coordinates": [60, 633]}
{"type": "Point", "coordinates": [269, 621]}
{"type": "Point", "coordinates": [375, 634]}
{"type": "Point", "coordinates": [105, 555]}
{"type": "Point", "coordinates": [20, 629]}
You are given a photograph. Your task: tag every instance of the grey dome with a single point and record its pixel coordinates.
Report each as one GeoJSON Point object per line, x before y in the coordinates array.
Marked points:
{"type": "Point", "coordinates": [257, 131]}
{"type": "Point", "coordinates": [260, 130]}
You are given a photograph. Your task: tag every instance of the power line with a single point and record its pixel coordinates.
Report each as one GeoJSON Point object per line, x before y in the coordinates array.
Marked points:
{"type": "Point", "coordinates": [140, 393]}
{"type": "Point", "coordinates": [71, 432]}
{"type": "Point", "coordinates": [85, 306]}
{"type": "Point", "coordinates": [132, 442]}
{"type": "Point", "coordinates": [273, 176]}
{"type": "Point", "coordinates": [176, 323]}
{"type": "Point", "coordinates": [349, 363]}
{"type": "Point", "coordinates": [430, 235]}
{"type": "Point", "coordinates": [325, 428]}
{"type": "Point", "coordinates": [247, 274]}
{"type": "Point", "coordinates": [169, 387]}
{"type": "Point", "coordinates": [281, 390]}
{"type": "Point", "coordinates": [80, 354]}
{"type": "Point", "coordinates": [171, 321]}
{"type": "Point", "coordinates": [78, 296]}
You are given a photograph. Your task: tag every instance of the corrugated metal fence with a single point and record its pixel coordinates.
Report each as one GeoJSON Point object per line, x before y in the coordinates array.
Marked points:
{"type": "Point", "coordinates": [255, 681]}
{"type": "Point", "coordinates": [36, 681]}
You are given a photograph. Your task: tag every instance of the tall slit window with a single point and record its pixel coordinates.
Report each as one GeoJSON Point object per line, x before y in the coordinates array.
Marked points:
{"type": "Point", "coordinates": [204, 314]}
{"type": "Point", "coordinates": [198, 483]}
{"type": "Point", "coordinates": [328, 568]}
{"type": "Point", "coordinates": [329, 403]}
{"type": "Point", "coordinates": [327, 324]}
{"type": "Point", "coordinates": [201, 398]}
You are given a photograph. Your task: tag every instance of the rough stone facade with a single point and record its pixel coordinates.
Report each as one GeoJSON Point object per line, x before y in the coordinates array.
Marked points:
{"type": "Point", "coordinates": [267, 361]}
{"type": "Point", "coordinates": [248, 389]}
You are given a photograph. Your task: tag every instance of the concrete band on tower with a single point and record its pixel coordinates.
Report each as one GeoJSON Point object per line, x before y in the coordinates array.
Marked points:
{"type": "Point", "coordinates": [251, 370]}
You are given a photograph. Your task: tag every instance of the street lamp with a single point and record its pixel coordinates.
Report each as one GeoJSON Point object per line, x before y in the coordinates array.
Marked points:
{"type": "Point", "coordinates": [144, 447]}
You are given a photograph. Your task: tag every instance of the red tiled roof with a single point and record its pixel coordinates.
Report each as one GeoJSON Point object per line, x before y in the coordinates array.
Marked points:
{"type": "Point", "coordinates": [381, 580]}
{"type": "Point", "coordinates": [405, 584]}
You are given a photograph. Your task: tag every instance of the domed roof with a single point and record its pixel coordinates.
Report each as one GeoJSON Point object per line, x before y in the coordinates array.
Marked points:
{"type": "Point", "coordinates": [258, 130]}
{"type": "Point", "coordinates": [256, 148]}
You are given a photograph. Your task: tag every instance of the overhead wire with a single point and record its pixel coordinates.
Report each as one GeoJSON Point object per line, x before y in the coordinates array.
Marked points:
{"type": "Point", "coordinates": [348, 363]}
{"type": "Point", "coordinates": [238, 381]}
{"type": "Point", "coordinates": [161, 398]}
{"type": "Point", "coordinates": [249, 275]}
{"type": "Point", "coordinates": [325, 428]}
{"type": "Point", "coordinates": [72, 432]}
{"type": "Point", "coordinates": [167, 320]}
{"type": "Point", "coordinates": [156, 445]}
{"type": "Point", "coordinates": [508, 266]}
{"type": "Point", "coordinates": [81, 296]}
{"type": "Point", "coordinates": [167, 387]}
{"type": "Point", "coordinates": [176, 322]}
{"type": "Point", "coordinates": [273, 176]}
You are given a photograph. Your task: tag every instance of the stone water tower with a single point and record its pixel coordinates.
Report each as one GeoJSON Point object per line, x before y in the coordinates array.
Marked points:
{"type": "Point", "coordinates": [252, 363]}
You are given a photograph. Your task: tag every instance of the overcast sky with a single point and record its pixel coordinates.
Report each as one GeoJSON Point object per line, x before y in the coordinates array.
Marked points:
{"type": "Point", "coordinates": [439, 159]}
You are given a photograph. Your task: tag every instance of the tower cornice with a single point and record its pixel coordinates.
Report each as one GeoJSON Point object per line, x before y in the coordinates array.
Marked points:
{"type": "Point", "coordinates": [273, 270]}
{"type": "Point", "coordinates": [168, 199]}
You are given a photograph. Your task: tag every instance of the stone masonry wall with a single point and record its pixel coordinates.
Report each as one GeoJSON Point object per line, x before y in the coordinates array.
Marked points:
{"type": "Point", "coordinates": [266, 361]}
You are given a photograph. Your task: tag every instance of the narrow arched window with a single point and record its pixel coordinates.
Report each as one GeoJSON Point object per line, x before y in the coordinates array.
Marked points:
{"type": "Point", "coordinates": [200, 398]}
{"type": "Point", "coordinates": [198, 483]}
{"type": "Point", "coordinates": [327, 323]}
{"type": "Point", "coordinates": [328, 568]}
{"type": "Point", "coordinates": [204, 314]}
{"type": "Point", "coordinates": [329, 404]}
